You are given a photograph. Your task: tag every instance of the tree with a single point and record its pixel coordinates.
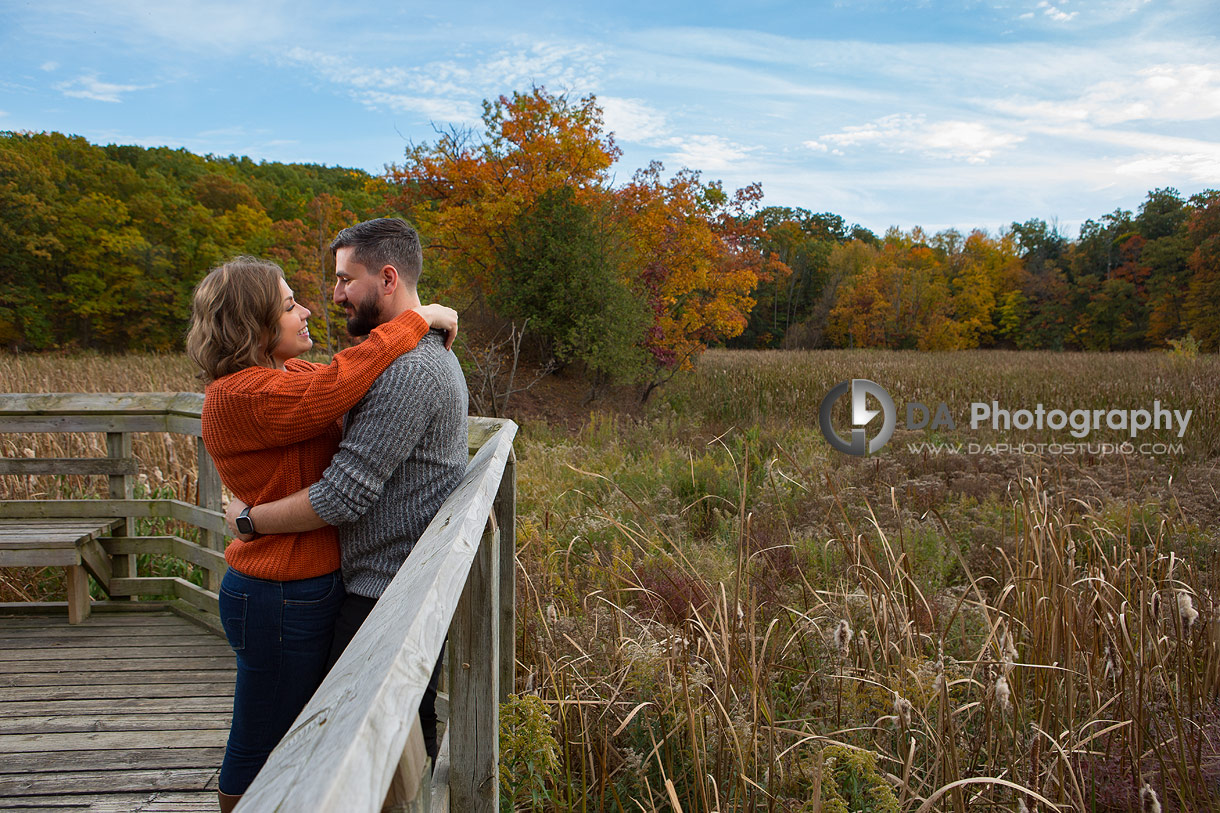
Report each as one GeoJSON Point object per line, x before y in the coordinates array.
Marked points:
{"type": "Point", "coordinates": [465, 190]}
{"type": "Point", "coordinates": [561, 269]}
{"type": "Point", "coordinates": [1202, 306]}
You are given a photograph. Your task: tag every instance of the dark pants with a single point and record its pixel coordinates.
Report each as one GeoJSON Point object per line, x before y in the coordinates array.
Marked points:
{"type": "Point", "coordinates": [352, 613]}
{"type": "Point", "coordinates": [280, 632]}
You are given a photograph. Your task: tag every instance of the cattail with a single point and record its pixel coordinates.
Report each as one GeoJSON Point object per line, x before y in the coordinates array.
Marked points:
{"type": "Point", "coordinates": [1187, 611]}
{"type": "Point", "coordinates": [1009, 657]}
{"type": "Point", "coordinates": [1003, 694]}
{"type": "Point", "coordinates": [1114, 669]}
{"type": "Point", "coordinates": [1155, 606]}
{"type": "Point", "coordinates": [1149, 801]}
{"type": "Point", "coordinates": [843, 636]}
{"type": "Point", "coordinates": [902, 711]}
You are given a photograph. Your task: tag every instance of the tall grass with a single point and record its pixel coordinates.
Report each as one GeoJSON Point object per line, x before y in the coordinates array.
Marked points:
{"type": "Point", "coordinates": [718, 612]}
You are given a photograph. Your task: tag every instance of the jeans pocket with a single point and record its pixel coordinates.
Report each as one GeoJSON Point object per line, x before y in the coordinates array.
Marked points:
{"type": "Point", "coordinates": [233, 617]}
{"type": "Point", "coordinates": [310, 592]}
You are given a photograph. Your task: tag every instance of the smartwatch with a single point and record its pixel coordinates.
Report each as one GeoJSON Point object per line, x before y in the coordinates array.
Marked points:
{"type": "Point", "coordinates": [244, 524]}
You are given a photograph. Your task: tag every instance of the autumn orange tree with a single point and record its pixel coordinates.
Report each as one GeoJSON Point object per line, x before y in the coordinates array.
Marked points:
{"type": "Point", "coordinates": [683, 251]}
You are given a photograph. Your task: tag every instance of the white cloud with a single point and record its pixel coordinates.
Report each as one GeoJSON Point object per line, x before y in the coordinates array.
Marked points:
{"type": "Point", "coordinates": [816, 146]}
{"type": "Point", "coordinates": [452, 92]}
{"type": "Point", "coordinates": [1202, 168]}
{"type": "Point", "coordinates": [973, 142]}
{"type": "Point", "coordinates": [707, 152]}
{"type": "Point", "coordinates": [90, 87]}
{"type": "Point", "coordinates": [441, 110]}
{"type": "Point", "coordinates": [1162, 92]}
{"type": "Point", "coordinates": [1055, 13]}
{"type": "Point", "coordinates": [48, 66]}
{"type": "Point", "coordinates": [632, 119]}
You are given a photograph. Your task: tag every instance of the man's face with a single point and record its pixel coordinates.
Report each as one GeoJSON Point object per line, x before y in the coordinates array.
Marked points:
{"type": "Point", "coordinates": [359, 292]}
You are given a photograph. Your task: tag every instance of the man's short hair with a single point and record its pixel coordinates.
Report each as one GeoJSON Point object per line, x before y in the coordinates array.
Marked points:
{"type": "Point", "coordinates": [381, 242]}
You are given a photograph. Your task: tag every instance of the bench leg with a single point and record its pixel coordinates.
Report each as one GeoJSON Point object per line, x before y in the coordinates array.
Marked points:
{"type": "Point", "coordinates": [78, 594]}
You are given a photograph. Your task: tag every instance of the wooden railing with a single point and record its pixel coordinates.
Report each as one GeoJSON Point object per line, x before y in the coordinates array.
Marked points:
{"type": "Point", "coordinates": [119, 415]}
{"type": "Point", "coordinates": [356, 746]}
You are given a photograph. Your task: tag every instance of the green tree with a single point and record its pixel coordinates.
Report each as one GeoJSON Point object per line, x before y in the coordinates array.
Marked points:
{"type": "Point", "coordinates": [561, 268]}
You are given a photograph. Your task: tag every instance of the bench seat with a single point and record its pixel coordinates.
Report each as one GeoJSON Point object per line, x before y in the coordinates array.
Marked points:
{"type": "Point", "coordinates": [70, 543]}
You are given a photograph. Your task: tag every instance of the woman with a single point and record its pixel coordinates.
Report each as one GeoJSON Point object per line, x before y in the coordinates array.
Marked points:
{"type": "Point", "coordinates": [271, 422]}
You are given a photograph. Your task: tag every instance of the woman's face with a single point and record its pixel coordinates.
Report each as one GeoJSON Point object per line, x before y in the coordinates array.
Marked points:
{"type": "Point", "coordinates": [294, 333]}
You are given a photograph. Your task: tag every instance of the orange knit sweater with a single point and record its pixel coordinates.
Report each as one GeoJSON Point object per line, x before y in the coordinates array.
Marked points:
{"type": "Point", "coordinates": [273, 432]}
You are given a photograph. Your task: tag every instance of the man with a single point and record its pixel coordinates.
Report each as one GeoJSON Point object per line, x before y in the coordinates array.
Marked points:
{"type": "Point", "coordinates": [404, 446]}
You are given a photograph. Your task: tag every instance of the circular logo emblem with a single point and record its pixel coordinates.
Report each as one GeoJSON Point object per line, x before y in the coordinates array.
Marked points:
{"type": "Point", "coordinates": [861, 416]}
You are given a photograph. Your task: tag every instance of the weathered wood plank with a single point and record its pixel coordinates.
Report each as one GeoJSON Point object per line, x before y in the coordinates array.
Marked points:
{"type": "Point", "coordinates": [440, 776]}
{"type": "Point", "coordinates": [168, 545]}
{"type": "Point", "coordinates": [165, 801]}
{"type": "Point", "coordinates": [210, 497]}
{"type": "Point", "coordinates": [114, 781]}
{"type": "Point", "coordinates": [78, 594]}
{"type": "Point", "coordinates": [474, 690]}
{"type": "Point", "coordinates": [119, 664]}
{"type": "Point", "coordinates": [167, 586]}
{"type": "Point", "coordinates": [96, 561]}
{"type": "Point", "coordinates": [68, 465]}
{"type": "Point", "coordinates": [172, 509]}
{"type": "Point", "coordinates": [115, 759]}
{"type": "Point", "coordinates": [126, 403]}
{"type": "Point", "coordinates": [39, 558]}
{"type": "Point", "coordinates": [118, 445]}
{"type": "Point", "coordinates": [345, 745]}
{"type": "Point", "coordinates": [29, 639]}
{"type": "Point", "coordinates": [142, 690]}
{"type": "Point", "coordinates": [79, 677]}
{"type": "Point", "coordinates": [506, 519]}
{"type": "Point", "coordinates": [211, 648]}
{"type": "Point", "coordinates": [104, 706]}
{"type": "Point", "coordinates": [99, 740]}
{"type": "Point", "coordinates": [40, 615]}
{"type": "Point", "coordinates": [68, 723]}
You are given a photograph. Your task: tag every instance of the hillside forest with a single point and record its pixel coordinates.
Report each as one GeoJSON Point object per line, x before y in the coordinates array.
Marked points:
{"type": "Point", "coordinates": [527, 218]}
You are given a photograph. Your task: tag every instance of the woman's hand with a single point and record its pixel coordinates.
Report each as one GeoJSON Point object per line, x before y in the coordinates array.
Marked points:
{"type": "Point", "coordinates": [236, 506]}
{"type": "Point", "coordinates": [440, 318]}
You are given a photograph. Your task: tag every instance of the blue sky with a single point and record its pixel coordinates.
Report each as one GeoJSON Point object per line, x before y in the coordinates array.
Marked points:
{"type": "Point", "coordinates": [953, 114]}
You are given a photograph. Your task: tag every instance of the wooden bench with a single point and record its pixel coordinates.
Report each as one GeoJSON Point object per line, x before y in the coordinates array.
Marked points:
{"type": "Point", "coordinates": [70, 543]}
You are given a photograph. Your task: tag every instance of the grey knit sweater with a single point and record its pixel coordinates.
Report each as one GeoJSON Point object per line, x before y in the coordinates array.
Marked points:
{"type": "Point", "coordinates": [403, 453]}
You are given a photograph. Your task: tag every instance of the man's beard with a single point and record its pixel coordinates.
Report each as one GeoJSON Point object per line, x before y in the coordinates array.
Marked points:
{"type": "Point", "coordinates": [365, 317]}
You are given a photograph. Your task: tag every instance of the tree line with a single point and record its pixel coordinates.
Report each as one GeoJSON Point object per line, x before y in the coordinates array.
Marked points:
{"type": "Point", "coordinates": [526, 218]}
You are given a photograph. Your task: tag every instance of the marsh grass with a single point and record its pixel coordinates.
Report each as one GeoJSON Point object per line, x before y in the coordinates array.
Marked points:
{"type": "Point", "coordinates": [1026, 632]}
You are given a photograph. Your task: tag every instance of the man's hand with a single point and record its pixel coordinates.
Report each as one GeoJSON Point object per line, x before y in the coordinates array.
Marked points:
{"type": "Point", "coordinates": [236, 506]}
{"type": "Point", "coordinates": [440, 317]}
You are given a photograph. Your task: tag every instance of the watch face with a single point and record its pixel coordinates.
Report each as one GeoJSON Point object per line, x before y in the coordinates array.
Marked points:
{"type": "Point", "coordinates": [245, 525]}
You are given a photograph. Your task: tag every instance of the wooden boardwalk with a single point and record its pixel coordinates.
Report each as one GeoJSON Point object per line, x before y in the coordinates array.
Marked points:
{"type": "Point", "coordinates": [128, 711]}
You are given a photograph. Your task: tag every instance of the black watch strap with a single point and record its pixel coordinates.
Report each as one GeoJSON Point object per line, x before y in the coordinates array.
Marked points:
{"type": "Point", "coordinates": [244, 524]}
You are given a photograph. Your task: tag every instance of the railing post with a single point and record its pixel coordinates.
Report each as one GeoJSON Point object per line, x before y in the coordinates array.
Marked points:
{"type": "Point", "coordinates": [123, 566]}
{"type": "Point", "coordinates": [506, 519]}
{"type": "Point", "coordinates": [474, 677]}
{"type": "Point", "coordinates": [209, 496]}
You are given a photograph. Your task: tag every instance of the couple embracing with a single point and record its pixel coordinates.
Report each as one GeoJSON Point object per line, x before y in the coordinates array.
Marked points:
{"type": "Point", "coordinates": [326, 508]}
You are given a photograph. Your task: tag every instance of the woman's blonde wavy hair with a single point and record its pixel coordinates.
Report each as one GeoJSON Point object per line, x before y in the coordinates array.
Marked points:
{"type": "Point", "coordinates": [235, 315]}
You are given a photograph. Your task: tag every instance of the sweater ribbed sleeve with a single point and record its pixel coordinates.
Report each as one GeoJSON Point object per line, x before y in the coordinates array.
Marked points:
{"type": "Point", "coordinates": [273, 432]}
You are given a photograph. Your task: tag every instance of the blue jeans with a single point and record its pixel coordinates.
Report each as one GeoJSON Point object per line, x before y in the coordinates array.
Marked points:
{"type": "Point", "coordinates": [281, 633]}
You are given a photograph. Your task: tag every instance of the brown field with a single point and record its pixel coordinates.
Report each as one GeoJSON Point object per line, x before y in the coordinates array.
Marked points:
{"type": "Point", "coordinates": [719, 612]}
